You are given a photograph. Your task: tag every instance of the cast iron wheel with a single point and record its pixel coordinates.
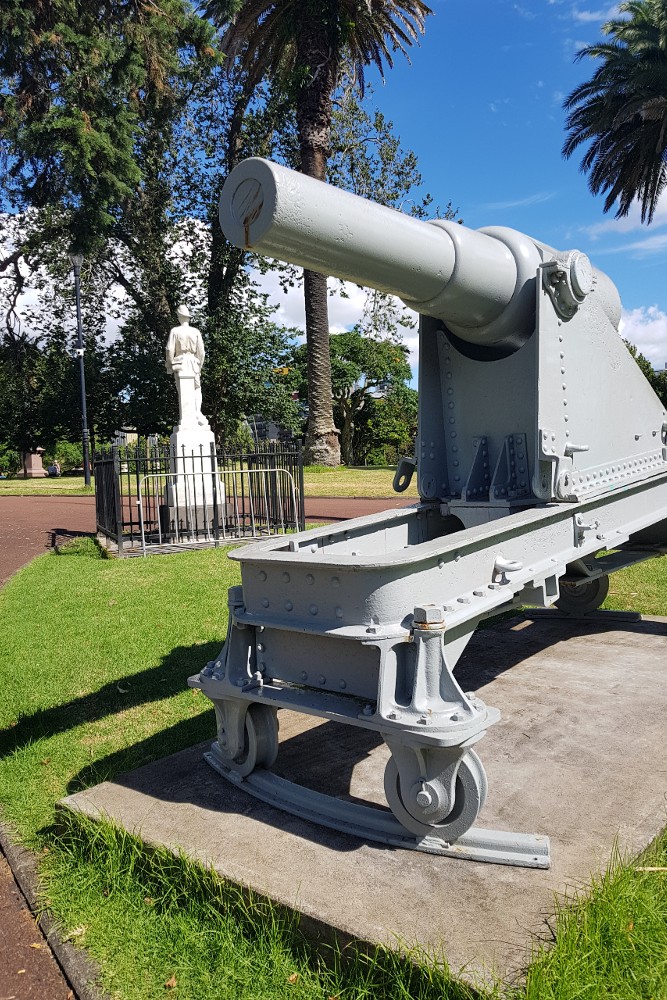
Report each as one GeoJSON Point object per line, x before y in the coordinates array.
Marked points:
{"type": "Point", "coordinates": [260, 746]}
{"type": "Point", "coordinates": [578, 598]}
{"type": "Point", "coordinates": [469, 797]}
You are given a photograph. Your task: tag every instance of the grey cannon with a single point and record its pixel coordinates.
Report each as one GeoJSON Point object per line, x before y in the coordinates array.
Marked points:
{"type": "Point", "coordinates": [541, 447]}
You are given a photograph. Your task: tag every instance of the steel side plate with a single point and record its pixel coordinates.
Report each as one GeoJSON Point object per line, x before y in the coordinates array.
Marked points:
{"type": "Point", "coordinates": [522, 850]}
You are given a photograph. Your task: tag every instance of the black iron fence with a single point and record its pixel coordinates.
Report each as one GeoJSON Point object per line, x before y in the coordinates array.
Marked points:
{"type": "Point", "coordinates": [148, 494]}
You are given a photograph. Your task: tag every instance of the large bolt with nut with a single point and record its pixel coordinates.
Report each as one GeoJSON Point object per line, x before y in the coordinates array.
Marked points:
{"type": "Point", "coordinates": [429, 614]}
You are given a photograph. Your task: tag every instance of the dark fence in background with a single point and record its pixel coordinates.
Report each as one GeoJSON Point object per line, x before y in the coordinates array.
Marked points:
{"type": "Point", "coordinates": [147, 495]}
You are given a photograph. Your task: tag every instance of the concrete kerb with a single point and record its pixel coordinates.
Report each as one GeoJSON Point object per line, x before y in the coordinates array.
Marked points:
{"type": "Point", "coordinates": [557, 764]}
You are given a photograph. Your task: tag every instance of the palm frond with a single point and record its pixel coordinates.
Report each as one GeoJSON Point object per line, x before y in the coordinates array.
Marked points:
{"type": "Point", "coordinates": [620, 114]}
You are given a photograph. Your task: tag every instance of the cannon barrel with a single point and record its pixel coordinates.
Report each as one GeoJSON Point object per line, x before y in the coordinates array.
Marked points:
{"type": "Point", "coordinates": [480, 283]}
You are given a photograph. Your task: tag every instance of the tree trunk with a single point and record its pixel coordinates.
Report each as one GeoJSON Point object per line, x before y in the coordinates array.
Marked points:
{"type": "Point", "coordinates": [322, 446]}
{"type": "Point", "coordinates": [313, 115]}
{"type": "Point", "coordinates": [347, 432]}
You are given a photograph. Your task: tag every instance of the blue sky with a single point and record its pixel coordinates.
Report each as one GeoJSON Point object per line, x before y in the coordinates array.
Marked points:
{"type": "Point", "coordinates": [481, 105]}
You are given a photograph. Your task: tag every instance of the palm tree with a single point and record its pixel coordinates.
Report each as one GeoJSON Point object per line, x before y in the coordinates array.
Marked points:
{"type": "Point", "coordinates": [622, 110]}
{"type": "Point", "coordinates": [304, 46]}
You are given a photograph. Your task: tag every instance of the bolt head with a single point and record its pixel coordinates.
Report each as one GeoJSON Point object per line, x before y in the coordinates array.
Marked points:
{"type": "Point", "coordinates": [428, 614]}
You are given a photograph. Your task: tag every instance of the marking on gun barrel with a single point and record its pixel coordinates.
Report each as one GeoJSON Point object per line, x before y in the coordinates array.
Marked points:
{"type": "Point", "coordinates": [248, 220]}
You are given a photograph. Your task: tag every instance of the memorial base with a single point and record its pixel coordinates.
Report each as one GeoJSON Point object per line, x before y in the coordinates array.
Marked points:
{"type": "Point", "coordinates": [198, 522]}
{"type": "Point", "coordinates": [193, 466]}
{"type": "Point", "coordinates": [32, 465]}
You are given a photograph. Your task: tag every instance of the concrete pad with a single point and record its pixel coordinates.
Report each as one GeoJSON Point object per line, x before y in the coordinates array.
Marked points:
{"type": "Point", "coordinates": [580, 754]}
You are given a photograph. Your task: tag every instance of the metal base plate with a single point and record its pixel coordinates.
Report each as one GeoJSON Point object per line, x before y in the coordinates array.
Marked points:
{"type": "Point", "coordinates": [498, 847]}
{"type": "Point", "coordinates": [599, 615]}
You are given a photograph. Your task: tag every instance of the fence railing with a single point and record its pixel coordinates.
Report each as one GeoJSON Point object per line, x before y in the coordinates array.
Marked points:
{"type": "Point", "coordinates": [148, 495]}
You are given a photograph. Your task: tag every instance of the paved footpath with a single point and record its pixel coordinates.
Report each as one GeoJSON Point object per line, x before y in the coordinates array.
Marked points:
{"type": "Point", "coordinates": [28, 970]}
{"type": "Point", "coordinates": [30, 526]}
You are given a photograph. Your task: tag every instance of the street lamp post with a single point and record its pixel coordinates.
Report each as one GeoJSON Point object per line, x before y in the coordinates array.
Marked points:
{"type": "Point", "coordinates": [77, 261]}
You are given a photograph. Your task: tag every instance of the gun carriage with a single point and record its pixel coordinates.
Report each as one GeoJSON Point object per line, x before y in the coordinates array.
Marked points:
{"type": "Point", "coordinates": [541, 464]}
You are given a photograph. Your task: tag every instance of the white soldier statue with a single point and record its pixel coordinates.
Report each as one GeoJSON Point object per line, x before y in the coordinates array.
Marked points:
{"type": "Point", "coordinates": [185, 357]}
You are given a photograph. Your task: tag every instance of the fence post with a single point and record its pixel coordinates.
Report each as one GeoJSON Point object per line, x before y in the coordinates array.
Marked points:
{"type": "Point", "coordinates": [118, 500]}
{"type": "Point", "coordinates": [100, 486]}
{"type": "Point", "coordinates": [215, 481]}
{"type": "Point", "coordinates": [302, 499]}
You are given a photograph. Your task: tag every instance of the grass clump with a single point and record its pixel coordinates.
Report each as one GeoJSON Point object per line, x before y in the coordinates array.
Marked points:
{"type": "Point", "coordinates": [642, 587]}
{"type": "Point", "coordinates": [88, 548]}
{"type": "Point", "coordinates": [94, 658]}
{"type": "Point", "coordinates": [154, 918]}
{"type": "Point", "coordinates": [610, 941]}
{"type": "Point", "coordinates": [324, 481]}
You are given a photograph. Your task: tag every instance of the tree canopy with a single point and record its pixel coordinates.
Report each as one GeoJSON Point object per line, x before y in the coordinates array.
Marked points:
{"type": "Point", "coordinates": [79, 85]}
{"type": "Point", "coordinates": [620, 114]}
{"type": "Point", "coordinates": [304, 49]}
{"type": "Point", "coordinates": [364, 370]}
{"type": "Point", "coordinates": [118, 126]}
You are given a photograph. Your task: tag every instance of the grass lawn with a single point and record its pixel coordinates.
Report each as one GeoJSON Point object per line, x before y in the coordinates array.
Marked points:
{"type": "Point", "coordinates": [319, 481]}
{"type": "Point", "coordinates": [49, 486]}
{"type": "Point", "coordinates": [94, 654]}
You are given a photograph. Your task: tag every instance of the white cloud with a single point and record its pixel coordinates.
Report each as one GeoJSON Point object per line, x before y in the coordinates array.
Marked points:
{"type": "Point", "coordinates": [639, 248]}
{"type": "Point", "coordinates": [646, 327]}
{"type": "Point", "coordinates": [524, 12]}
{"type": "Point", "coordinates": [591, 16]}
{"type": "Point", "coordinates": [631, 222]}
{"type": "Point", "coordinates": [531, 199]}
{"type": "Point", "coordinates": [497, 103]}
{"type": "Point", "coordinates": [571, 46]}
{"type": "Point", "coordinates": [343, 312]}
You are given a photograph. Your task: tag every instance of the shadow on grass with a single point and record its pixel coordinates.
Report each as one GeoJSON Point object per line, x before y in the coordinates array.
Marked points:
{"type": "Point", "coordinates": [154, 684]}
{"type": "Point", "coordinates": [75, 543]}
{"type": "Point", "coordinates": [180, 736]}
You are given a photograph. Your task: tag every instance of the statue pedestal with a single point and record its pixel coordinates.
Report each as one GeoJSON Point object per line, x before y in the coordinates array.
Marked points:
{"type": "Point", "coordinates": [196, 488]}
{"type": "Point", "coordinates": [32, 465]}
